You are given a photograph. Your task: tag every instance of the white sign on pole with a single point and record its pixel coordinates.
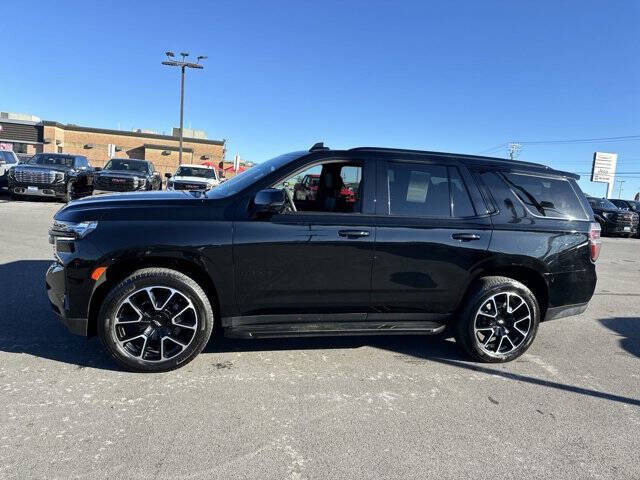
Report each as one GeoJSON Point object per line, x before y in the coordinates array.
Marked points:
{"type": "Point", "coordinates": [604, 169]}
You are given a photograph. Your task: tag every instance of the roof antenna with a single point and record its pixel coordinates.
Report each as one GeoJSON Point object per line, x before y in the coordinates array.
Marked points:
{"type": "Point", "coordinates": [318, 146]}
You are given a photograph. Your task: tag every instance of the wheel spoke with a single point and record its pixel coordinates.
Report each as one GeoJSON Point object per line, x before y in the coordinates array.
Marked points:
{"type": "Point", "coordinates": [183, 345]}
{"type": "Point", "coordinates": [513, 346]}
{"type": "Point", "coordinates": [173, 292]}
{"type": "Point", "coordinates": [500, 344]}
{"type": "Point", "coordinates": [135, 309]}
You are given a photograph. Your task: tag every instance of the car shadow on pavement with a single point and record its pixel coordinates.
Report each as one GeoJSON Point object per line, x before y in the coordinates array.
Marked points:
{"type": "Point", "coordinates": [27, 324]}
{"type": "Point", "coordinates": [629, 329]}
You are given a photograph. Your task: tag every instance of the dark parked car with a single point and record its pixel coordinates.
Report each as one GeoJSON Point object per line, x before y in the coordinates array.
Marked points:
{"type": "Point", "coordinates": [632, 206]}
{"type": "Point", "coordinates": [8, 160]}
{"type": "Point", "coordinates": [128, 175]}
{"type": "Point", "coordinates": [52, 175]}
{"type": "Point", "coordinates": [613, 220]}
{"type": "Point", "coordinates": [489, 247]}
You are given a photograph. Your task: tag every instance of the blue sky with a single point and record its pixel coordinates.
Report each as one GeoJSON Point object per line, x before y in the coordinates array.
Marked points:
{"type": "Point", "coordinates": [461, 76]}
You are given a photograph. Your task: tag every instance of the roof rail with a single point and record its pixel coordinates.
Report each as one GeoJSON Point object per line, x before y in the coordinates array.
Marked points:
{"type": "Point", "coordinates": [446, 154]}
{"type": "Point", "coordinates": [318, 146]}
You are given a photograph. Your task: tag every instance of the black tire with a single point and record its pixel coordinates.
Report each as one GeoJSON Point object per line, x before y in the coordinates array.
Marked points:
{"type": "Point", "coordinates": [158, 278]}
{"type": "Point", "coordinates": [482, 292]}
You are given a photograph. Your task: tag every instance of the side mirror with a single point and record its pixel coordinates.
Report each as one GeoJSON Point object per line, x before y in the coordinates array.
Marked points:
{"type": "Point", "coordinates": [97, 169]}
{"type": "Point", "coordinates": [547, 205]}
{"type": "Point", "coordinates": [268, 201]}
{"type": "Point", "coordinates": [167, 175]}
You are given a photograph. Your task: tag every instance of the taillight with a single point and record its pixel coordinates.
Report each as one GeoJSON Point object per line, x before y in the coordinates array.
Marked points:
{"type": "Point", "coordinates": [594, 241]}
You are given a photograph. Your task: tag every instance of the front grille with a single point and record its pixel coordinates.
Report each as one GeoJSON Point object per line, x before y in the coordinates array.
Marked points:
{"type": "Point", "coordinates": [41, 177]}
{"type": "Point", "coordinates": [189, 186]}
{"type": "Point", "coordinates": [626, 219]}
{"type": "Point", "coordinates": [115, 184]}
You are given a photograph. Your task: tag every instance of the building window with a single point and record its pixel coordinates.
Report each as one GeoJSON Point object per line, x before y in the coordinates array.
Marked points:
{"type": "Point", "coordinates": [20, 147]}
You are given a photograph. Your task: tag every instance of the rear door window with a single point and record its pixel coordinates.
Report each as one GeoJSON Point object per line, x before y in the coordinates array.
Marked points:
{"type": "Point", "coordinates": [426, 190]}
{"type": "Point", "coordinates": [546, 196]}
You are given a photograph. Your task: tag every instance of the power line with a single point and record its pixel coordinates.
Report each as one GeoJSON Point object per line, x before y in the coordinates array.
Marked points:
{"type": "Point", "coordinates": [626, 138]}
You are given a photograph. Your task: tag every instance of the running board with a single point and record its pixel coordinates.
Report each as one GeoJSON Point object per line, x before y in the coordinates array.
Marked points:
{"type": "Point", "coordinates": [414, 327]}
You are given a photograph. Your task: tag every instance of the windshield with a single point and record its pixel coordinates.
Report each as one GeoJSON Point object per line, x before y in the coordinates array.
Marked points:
{"type": "Point", "coordinates": [55, 160]}
{"type": "Point", "coordinates": [125, 164]}
{"type": "Point", "coordinates": [602, 203]}
{"type": "Point", "coordinates": [7, 157]}
{"type": "Point", "coordinates": [196, 172]}
{"type": "Point", "coordinates": [248, 177]}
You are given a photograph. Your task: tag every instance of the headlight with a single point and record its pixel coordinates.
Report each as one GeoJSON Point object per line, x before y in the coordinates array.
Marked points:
{"type": "Point", "coordinates": [59, 177]}
{"type": "Point", "coordinates": [607, 215]}
{"type": "Point", "coordinates": [72, 229]}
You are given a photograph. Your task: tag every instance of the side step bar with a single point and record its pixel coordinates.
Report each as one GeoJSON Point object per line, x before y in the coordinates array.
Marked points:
{"type": "Point", "coordinates": [414, 327]}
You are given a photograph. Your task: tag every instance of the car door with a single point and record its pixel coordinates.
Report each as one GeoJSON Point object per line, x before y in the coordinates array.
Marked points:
{"type": "Point", "coordinates": [429, 235]}
{"type": "Point", "coordinates": [312, 264]}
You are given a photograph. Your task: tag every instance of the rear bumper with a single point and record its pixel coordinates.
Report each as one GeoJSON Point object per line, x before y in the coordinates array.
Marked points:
{"type": "Point", "coordinates": [55, 284]}
{"type": "Point", "coordinates": [565, 311]}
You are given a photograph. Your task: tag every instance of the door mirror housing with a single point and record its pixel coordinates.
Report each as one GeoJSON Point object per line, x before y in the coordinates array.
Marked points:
{"type": "Point", "coordinates": [268, 201]}
{"type": "Point", "coordinates": [97, 169]}
{"type": "Point", "coordinates": [167, 175]}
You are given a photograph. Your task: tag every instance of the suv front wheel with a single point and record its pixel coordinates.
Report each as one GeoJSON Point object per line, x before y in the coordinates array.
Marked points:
{"type": "Point", "coordinates": [499, 321]}
{"type": "Point", "coordinates": [155, 320]}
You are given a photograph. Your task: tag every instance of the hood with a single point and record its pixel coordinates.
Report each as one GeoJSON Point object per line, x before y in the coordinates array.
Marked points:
{"type": "Point", "coordinates": [55, 168]}
{"type": "Point", "coordinates": [139, 206]}
{"type": "Point", "coordinates": [121, 173]}
{"type": "Point", "coordinates": [179, 178]}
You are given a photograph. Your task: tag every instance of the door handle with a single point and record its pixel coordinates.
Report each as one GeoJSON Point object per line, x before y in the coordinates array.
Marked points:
{"type": "Point", "coordinates": [465, 237]}
{"type": "Point", "coordinates": [353, 233]}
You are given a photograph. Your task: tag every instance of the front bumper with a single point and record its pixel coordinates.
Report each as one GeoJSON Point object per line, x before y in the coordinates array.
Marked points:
{"type": "Point", "coordinates": [52, 190]}
{"type": "Point", "coordinates": [56, 291]}
{"type": "Point", "coordinates": [615, 228]}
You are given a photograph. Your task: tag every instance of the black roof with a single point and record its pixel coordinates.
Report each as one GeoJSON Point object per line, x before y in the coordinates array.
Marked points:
{"type": "Point", "coordinates": [472, 159]}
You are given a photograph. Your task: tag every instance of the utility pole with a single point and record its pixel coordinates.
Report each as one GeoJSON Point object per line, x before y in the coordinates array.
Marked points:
{"type": "Point", "coordinates": [514, 149]}
{"type": "Point", "coordinates": [183, 65]}
{"type": "Point", "coordinates": [620, 188]}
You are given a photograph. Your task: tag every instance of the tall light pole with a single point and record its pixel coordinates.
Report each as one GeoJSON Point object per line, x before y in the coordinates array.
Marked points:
{"type": "Point", "coordinates": [183, 65]}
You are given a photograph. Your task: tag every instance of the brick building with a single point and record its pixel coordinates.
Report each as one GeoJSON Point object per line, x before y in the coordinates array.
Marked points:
{"type": "Point", "coordinates": [29, 135]}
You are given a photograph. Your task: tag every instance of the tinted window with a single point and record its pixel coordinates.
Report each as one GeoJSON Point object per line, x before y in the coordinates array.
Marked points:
{"type": "Point", "coordinates": [125, 164]}
{"type": "Point", "coordinates": [601, 203]}
{"type": "Point", "coordinates": [196, 172]}
{"type": "Point", "coordinates": [55, 160]}
{"type": "Point", "coordinates": [418, 190]}
{"type": "Point", "coordinates": [7, 157]}
{"type": "Point", "coordinates": [461, 201]}
{"type": "Point", "coordinates": [546, 197]}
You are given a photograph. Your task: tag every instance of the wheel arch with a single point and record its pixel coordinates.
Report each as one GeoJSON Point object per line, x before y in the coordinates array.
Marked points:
{"type": "Point", "coordinates": [124, 267]}
{"type": "Point", "coordinates": [528, 275]}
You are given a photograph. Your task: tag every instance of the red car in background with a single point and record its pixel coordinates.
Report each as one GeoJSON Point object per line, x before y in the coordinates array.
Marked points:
{"type": "Point", "coordinates": [307, 189]}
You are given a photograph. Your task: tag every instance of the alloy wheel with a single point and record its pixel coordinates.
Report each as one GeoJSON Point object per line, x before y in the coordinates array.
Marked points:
{"type": "Point", "coordinates": [502, 324]}
{"type": "Point", "coordinates": [155, 324]}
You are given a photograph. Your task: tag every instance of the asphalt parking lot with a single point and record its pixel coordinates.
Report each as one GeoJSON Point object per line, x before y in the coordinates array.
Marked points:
{"type": "Point", "coordinates": [355, 407]}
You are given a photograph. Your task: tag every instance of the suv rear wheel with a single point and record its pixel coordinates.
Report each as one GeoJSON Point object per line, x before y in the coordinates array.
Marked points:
{"type": "Point", "coordinates": [499, 321]}
{"type": "Point", "coordinates": [155, 320]}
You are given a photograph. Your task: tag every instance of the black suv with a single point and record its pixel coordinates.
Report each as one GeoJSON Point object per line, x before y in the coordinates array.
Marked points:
{"type": "Point", "coordinates": [128, 175]}
{"type": "Point", "coordinates": [52, 175]}
{"type": "Point", "coordinates": [612, 219]}
{"type": "Point", "coordinates": [486, 246]}
{"type": "Point", "coordinates": [632, 206]}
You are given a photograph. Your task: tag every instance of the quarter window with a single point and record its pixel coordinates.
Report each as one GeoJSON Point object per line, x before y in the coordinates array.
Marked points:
{"type": "Point", "coordinates": [546, 197]}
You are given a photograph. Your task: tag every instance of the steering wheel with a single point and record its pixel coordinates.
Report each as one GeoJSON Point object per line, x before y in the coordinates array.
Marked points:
{"type": "Point", "coordinates": [291, 207]}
